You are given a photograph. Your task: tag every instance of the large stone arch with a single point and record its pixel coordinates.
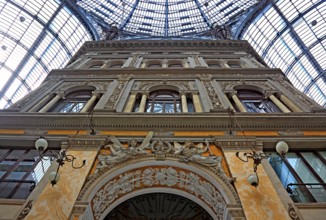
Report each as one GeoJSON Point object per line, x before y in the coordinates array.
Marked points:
{"type": "Point", "coordinates": [146, 174]}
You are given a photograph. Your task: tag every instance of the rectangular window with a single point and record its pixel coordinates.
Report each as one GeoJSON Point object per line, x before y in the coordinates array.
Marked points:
{"type": "Point", "coordinates": [303, 175]}
{"type": "Point", "coordinates": [20, 171]}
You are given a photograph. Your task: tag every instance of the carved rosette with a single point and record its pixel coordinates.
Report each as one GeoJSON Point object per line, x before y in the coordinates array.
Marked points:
{"type": "Point", "coordinates": [150, 177]}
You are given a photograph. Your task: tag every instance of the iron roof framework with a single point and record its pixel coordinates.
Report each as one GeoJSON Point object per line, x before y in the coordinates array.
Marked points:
{"type": "Point", "coordinates": [165, 18]}
{"type": "Point", "coordinates": [291, 35]}
{"type": "Point", "coordinates": [35, 37]}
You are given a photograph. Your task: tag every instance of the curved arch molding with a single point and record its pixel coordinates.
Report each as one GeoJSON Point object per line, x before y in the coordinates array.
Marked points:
{"type": "Point", "coordinates": [108, 189]}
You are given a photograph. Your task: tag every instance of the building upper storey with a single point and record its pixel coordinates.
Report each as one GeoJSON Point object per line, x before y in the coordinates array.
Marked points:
{"type": "Point", "coordinates": [168, 77]}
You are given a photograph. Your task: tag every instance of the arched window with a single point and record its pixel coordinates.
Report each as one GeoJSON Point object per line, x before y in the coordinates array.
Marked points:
{"type": "Point", "coordinates": [73, 102]}
{"type": "Point", "coordinates": [163, 101]}
{"type": "Point", "coordinates": [255, 101]}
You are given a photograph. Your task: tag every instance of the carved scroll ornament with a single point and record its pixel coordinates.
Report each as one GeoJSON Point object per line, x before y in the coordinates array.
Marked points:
{"type": "Point", "coordinates": [158, 177]}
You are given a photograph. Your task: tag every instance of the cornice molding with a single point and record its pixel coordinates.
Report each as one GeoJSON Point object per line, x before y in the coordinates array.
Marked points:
{"type": "Point", "coordinates": [185, 45]}
{"type": "Point", "coordinates": [145, 121]}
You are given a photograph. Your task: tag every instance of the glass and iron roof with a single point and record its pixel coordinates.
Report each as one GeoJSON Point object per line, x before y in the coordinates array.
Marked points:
{"type": "Point", "coordinates": [165, 18]}
{"type": "Point", "coordinates": [35, 37]}
{"type": "Point", "coordinates": [291, 35]}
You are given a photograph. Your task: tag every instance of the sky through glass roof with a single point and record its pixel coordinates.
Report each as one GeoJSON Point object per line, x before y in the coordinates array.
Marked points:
{"type": "Point", "coordinates": [291, 35]}
{"type": "Point", "coordinates": [35, 37]}
{"type": "Point", "coordinates": [165, 18]}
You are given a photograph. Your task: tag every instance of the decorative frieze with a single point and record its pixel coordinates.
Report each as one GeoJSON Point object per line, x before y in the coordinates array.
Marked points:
{"type": "Point", "coordinates": [150, 177]}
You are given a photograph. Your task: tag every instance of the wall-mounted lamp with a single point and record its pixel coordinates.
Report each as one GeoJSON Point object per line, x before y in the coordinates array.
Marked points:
{"type": "Point", "coordinates": [41, 145]}
{"type": "Point", "coordinates": [281, 148]}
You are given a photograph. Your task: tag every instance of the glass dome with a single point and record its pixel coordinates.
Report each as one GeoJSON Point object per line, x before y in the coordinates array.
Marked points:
{"type": "Point", "coordinates": [165, 18]}
{"type": "Point", "coordinates": [35, 37]}
{"type": "Point", "coordinates": [291, 35]}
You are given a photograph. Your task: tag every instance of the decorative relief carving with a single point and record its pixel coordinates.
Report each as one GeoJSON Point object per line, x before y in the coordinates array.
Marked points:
{"type": "Point", "coordinates": [293, 212]}
{"type": "Point", "coordinates": [186, 152]}
{"type": "Point", "coordinates": [98, 85]}
{"type": "Point", "coordinates": [303, 98]}
{"type": "Point", "coordinates": [290, 133]}
{"type": "Point", "coordinates": [182, 85]}
{"type": "Point", "coordinates": [41, 90]}
{"type": "Point", "coordinates": [115, 95]}
{"type": "Point", "coordinates": [37, 131]}
{"type": "Point", "coordinates": [26, 210]}
{"type": "Point", "coordinates": [229, 85]}
{"type": "Point", "coordinates": [158, 177]}
{"type": "Point", "coordinates": [213, 95]}
{"type": "Point", "coordinates": [120, 153]}
{"type": "Point", "coordinates": [236, 212]}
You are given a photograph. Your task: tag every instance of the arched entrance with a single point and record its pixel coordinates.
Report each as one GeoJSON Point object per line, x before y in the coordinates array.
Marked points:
{"type": "Point", "coordinates": [144, 175]}
{"type": "Point", "coordinates": [158, 206]}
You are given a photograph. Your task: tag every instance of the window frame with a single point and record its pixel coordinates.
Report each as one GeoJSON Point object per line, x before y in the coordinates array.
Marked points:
{"type": "Point", "coordinates": [18, 183]}
{"type": "Point", "coordinates": [154, 98]}
{"type": "Point", "coordinates": [303, 188]}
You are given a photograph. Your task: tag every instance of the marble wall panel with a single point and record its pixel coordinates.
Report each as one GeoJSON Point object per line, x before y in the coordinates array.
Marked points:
{"type": "Point", "coordinates": [57, 202]}
{"type": "Point", "coordinates": [258, 203]}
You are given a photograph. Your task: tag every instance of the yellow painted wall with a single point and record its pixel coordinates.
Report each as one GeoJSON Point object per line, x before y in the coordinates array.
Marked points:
{"type": "Point", "coordinates": [258, 203]}
{"type": "Point", "coordinates": [56, 203]}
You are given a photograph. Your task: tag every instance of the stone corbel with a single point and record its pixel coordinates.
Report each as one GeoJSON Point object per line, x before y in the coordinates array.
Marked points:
{"type": "Point", "coordinates": [234, 211]}
{"type": "Point", "coordinates": [294, 213]}
{"type": "Point", "coordinates": [26, 210]}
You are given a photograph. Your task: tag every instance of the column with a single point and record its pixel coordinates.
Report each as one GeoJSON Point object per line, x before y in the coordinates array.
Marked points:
{"type": "Point", "coordinates": [229, 103]}
{"type": "Point", "coordinates": [143, 65]}
{"type": "Point", "coordinates": [196, 100]}
{"type": "Point", "coordinates": [290, 104]}
{"type": "Point", "coordinates": [165, 64]}
{"type": "Point", "coordinates": [184, 103]}
{"type": "Point", "coordinates": [36, 107]}
{"type": "Point", "coordinates": [50, 104]}
{"type": "Point", "coordinates": [185, 64]}
{"type": "Point", "coordinates": [279, 104]}
{"type": "Point", "coordinates": [89, 103]}
{"type": "Point", "coordinates": [224, 64]}
{"type": "Point", "coordinates": [142, 103]}
{"type": "Point", "coordinates": [130, 103]}
{"type": "Point", "coordinates": [238, 103]}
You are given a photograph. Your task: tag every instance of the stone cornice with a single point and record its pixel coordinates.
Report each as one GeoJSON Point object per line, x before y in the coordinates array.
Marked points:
{"type": "Point", "coordinates": [189, 73]}
{"type": "Point", "coordinates": [145, 121]}
{"type": "Point", "coordinates": [155, 45]}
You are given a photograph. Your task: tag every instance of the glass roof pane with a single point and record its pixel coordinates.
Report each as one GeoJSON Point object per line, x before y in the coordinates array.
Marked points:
{"type": "Point", "coordinates": [5, 75]}
{"type": "Point", "coordinates": [35, 37]}
{"type": "Point", "coordinates": [165, 17]}
{"type": "Point", "coordinates": [299, 49]}
{"type": "Point", "coordinates": [15, 57]}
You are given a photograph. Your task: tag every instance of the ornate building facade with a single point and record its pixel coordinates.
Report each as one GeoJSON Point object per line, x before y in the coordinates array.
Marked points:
{"type": "Point", "coordinates": [165, 129]}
